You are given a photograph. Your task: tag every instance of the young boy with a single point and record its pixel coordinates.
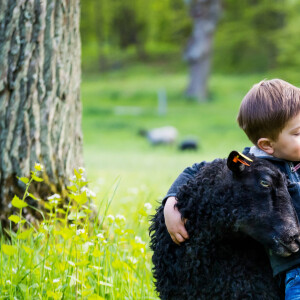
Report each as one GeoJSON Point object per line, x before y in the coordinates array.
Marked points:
{"type": "Point", "coordinates": [270, 116]}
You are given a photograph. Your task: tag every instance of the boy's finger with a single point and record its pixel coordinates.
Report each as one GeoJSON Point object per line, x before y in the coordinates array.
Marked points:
{"type": "Point", "coordinates": [179, 237]}
{"type": "Point", "coordinates": [184, 233]}
{"type": "Point", "coordinates": [174, 240]}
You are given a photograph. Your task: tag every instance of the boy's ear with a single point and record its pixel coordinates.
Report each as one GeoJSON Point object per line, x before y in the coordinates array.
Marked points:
{"type": "Point", "coordinates": [266, 145]}
{"type": "Point", "coordinates": [237, 161]}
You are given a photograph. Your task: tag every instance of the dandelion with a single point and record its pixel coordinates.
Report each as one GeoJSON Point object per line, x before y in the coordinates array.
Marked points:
{"type": "Point", "coordinates": [148, 206]}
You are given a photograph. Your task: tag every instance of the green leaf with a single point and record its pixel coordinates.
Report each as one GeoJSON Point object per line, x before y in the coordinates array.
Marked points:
{"type": "Point", "coordinates": [79, 215]}
{"type": "Point", "coordinates": [14, 218]}
{"type": "Point", "coordinates": [80, 199]}
{"type": "Point", "coordinates": [78, 175]}
{"type": "Point", "coordinates": [23, 287]}
{"type": "Point", "coordinates": [33, 197]}
{"type": "Point", "coordinates": [37, 179]}
{"type": "Point", "coordinates": [18, 203]}
{"type": "Point", "coordinates": [9, 249]}
{"type": "Point", "coordinates": [72, 188]}
{"type": "Point", "coordinates": [23, 179]}
{"type": "Point", "coordinates": [27, 249]}
{"type": "Point", "coordinates": [25, 234]}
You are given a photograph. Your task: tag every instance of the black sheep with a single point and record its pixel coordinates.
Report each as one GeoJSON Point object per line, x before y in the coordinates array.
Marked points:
{"type": "Point", "coordinates": [229, 206]}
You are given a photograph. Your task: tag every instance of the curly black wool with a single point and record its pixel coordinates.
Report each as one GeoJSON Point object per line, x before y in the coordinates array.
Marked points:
{"type": "Point", "coordinates": [233, 214]}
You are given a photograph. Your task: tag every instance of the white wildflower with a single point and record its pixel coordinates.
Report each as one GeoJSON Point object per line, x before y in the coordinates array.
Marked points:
{"type": "Point", "coordinates": [92, 194]}
{"type": "Point", "coordinates": [133, 260]}
{"type": "Point", "coordinates": [47, 268]}
{"type": "Point", "coordinates": [81, 170]}
{"type": "Point", "coordinates": [8, 281]}
{"type": "Point", "coordinates": [110, 218]}
{"type": "Point", "coordinates": [38, 167]}
{"type": "Point", "coordinates": [85, 247]}
{"type": "Point", "coordinates": [56, 280]}
{"type": "Point", "coordinates": [54, 197]}
{"type": "Point", "coordinates": [138, 240]}
{"type": "Point", "coordinates": [80, 231]}
{"type": "Point", "coordinates": [148, 206]}
{"type": "Point", "coordinates": [71, 263]}
{"type": "Point", "coordinates": [120, 218]}
{"type": "Point", "coordinates": [100, 236]}
{"type": "Point", "coordinates": [89, 193]}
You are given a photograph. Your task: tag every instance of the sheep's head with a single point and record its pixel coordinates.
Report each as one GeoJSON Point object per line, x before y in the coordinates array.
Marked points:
{"type": "Point", "coordinates": [265, 209]}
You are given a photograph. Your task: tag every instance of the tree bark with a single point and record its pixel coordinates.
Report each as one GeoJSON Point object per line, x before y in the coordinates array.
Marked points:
{"type": "Point", "coordinates": [40, 108]}
{"type": "Point", "coordinates": [205, 14]}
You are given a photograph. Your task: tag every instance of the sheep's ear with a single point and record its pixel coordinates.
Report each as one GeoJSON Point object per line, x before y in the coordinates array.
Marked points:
{"type": "Point", "coordinates": [237, 161]}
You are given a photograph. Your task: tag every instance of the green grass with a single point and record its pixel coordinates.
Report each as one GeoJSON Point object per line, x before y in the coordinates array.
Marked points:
{"type": "Point", "coordinates": [112, 147]}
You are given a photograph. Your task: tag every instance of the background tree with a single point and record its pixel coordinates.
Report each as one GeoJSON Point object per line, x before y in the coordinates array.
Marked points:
{"type": "Point", "coordinates": [205, 15]}
{"type": "Point", "coordinates": [40, 109]}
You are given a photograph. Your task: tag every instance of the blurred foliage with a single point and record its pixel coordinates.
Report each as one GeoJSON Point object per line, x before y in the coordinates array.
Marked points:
{"type": "Point", "coordinates": [252, 35]}
{"type": "Point", "coordinates": [116, 31]}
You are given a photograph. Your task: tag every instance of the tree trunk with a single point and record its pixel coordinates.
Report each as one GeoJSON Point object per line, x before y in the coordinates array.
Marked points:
{"type": "Point", "coordinates": [205, 14]}
{"type": "Point", "coordinates": [40, 108]}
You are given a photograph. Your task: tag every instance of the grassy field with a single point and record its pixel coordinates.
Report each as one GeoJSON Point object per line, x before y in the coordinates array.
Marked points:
{"type": "Point", "coordinates": [117, 105]}
{"type": "Point", "coordinates": [108, 256]}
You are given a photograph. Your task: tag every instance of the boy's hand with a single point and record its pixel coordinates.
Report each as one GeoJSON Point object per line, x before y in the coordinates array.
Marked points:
{"type": "Point", "coordinates": [174, 223]}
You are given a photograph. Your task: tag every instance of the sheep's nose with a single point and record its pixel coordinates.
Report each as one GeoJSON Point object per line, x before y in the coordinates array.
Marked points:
{"type": "Point", "coordinates": [291, 245]}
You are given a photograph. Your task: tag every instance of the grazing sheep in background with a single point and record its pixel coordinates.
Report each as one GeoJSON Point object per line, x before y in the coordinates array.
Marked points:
{"type": "Point", "coordinates": [188, 144]}
{"type": "Point", "coordinates": [233, 212]}
{"type": "Point", "coordinates": [162, 135]}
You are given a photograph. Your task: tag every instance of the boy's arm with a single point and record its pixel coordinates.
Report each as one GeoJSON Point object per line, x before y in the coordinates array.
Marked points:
{"type": "Point", "coordinates": [173, 219]}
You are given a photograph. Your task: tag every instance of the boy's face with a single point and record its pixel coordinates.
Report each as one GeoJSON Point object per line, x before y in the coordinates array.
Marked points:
{"type": "Point", "coordinates": [287, 145]}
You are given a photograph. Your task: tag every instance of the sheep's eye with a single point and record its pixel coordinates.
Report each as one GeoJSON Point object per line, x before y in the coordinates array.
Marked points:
{"type": "Point", "coordinates": [264, 183]}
